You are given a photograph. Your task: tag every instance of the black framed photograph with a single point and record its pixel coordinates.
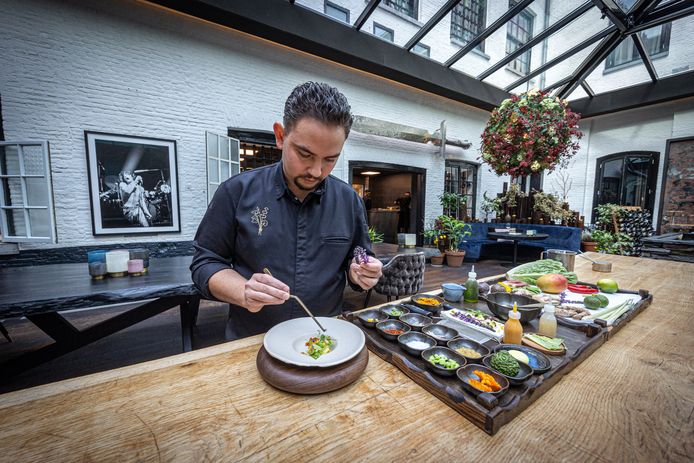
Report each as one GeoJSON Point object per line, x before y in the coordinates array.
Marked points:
{"type": "Point", "coordinates": [133, 184]}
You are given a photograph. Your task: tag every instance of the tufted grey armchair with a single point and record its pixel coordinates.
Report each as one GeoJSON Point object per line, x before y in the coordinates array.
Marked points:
{"type": "Point", "coordinates": [402, 275]}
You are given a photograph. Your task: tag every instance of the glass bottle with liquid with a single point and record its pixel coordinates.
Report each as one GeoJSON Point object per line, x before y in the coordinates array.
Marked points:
{"type": "Point", "coordinates": [472, 288]}
{"type": "Point", "coordinates": [513, 330]}
{"type": "Point", "coordinates": [548, 322]}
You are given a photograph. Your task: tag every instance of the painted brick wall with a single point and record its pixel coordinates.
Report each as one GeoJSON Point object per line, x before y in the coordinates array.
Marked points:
{"type": "Point", "coordinates": [107, 67]}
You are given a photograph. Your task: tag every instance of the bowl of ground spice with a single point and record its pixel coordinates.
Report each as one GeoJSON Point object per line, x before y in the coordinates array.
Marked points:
{"type": "Point", "coordinates": [391, 329]}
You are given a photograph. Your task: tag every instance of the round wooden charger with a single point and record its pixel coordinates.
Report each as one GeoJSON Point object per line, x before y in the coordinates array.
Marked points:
{"type": "Point", "coordinates": [307, 380]}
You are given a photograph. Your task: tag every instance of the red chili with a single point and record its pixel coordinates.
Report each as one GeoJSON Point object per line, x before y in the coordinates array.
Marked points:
{"type": "Point", "coordinates": [582, 289]}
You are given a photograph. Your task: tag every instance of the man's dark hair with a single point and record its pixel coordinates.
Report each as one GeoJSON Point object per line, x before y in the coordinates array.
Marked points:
{"type": "Point", "coordinates": [319, 101]}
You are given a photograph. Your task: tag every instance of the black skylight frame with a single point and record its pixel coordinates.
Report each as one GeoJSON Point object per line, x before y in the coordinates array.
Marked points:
{"type": "Point", "coordinates": [286, 23]}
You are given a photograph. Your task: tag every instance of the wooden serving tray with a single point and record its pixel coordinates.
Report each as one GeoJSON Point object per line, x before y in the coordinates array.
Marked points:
{"type": "Point", "coordinates": [310, 380]}
{"type": "Point", "coordinates": [487, 413]}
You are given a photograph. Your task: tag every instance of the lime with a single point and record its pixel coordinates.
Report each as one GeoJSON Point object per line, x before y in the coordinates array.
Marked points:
{"type": "Point", "coordinates": [607, 285]}
{"type": "Point", "coordinates": [603, 299]}
{"type": "Point", "coordinates": [592, 302]}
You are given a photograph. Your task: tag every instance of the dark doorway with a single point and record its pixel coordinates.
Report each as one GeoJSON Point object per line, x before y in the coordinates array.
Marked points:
{"type": "Point", "coordinates": [383, 187]}
{"type": "Point", "coordinates": [627, 179]}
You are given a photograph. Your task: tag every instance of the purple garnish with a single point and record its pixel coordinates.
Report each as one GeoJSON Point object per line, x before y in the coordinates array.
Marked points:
{"type": "Point", "coordinates": [360, 255]}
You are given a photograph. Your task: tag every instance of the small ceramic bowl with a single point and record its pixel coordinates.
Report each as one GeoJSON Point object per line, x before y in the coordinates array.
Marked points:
{"type": "Point", "coordinates": [452, 292]}
{"type": "Point", "coordinates": [394, 311]}
{"type": "Point", "coordinates": [406, 340]}
{"type": "Point", "coordinates": [372, 314]}
{"type": "Point", "coordinates": [446, 352]}
{"type": "Point", "coordinates": [468, 372]}
{"type": "Point", "coordinates": [420, 299]}
{"type": "Point", "coordinates": [469, 344]}
{"type": "Point", "coordinates": [416, 321]}
{"type": "Point", "coordinates": [441, 333]}
{"type": "Point", "coordinates": [524, 373]}
{"type": "Point", "coordinates": [392, 325]}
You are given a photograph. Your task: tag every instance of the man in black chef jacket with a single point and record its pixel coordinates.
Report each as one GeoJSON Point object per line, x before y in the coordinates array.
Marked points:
{"type": "Point", "coordinates": [292, 218]}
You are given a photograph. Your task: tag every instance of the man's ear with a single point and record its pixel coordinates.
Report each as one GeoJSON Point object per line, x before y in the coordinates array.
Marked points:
{"type": "Point", "coordinates": [279, 134]}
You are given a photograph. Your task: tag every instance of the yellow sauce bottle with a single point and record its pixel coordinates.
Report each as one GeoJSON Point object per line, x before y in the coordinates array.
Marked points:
{"type": "Point", "coordinates": [513, 331]}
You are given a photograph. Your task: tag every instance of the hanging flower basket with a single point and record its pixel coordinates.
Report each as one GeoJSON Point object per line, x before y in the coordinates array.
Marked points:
{"type": "Point", "coordinates": [530, 133]}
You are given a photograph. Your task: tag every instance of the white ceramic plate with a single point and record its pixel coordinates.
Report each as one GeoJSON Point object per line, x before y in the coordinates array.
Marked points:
{"type": "Point", "coordinates": [287, 341]}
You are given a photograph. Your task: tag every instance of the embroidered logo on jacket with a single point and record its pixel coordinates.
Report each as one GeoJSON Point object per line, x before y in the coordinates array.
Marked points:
{"type": "Point", "coordinates": [259, 217]}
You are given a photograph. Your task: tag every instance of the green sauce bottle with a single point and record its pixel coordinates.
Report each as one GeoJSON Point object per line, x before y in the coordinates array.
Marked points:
{"type": "Point", "coordinates": [472, 288]}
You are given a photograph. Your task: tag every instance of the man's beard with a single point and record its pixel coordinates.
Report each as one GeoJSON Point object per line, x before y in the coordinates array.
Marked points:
{"type": "Point", "coordinates": [306, 187]}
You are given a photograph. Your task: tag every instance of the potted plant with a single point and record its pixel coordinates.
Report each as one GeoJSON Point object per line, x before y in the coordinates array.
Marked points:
{"type": "Point", "coordinates": [455, 231]}
{"type": "Point", "coordinates": [588, 244]}
{"type": "Point", "coordinates": [490, 205]}
{"type": "Point", "coordinates": [452, 203]}
{"type": "Point", "coordinates": [374, 236]}
{"type": "Point", "coordinates": [431, 239]}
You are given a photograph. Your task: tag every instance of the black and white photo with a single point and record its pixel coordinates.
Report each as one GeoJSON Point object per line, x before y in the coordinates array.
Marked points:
{"type": "Point", "coordinates": [133, 184]}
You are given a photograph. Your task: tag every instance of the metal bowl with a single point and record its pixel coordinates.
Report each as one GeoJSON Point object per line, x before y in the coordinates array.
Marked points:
{"type": "Point", "coordinates": [416, 321]}
{"type": "Point", "coordinates": [371, 314]}
{"type": "Point", "coordinates": [406, 338]}
{"type": "Point", "coordinates": [602, 266]}
{"type": "Point", "coordinates": [441, 333]}
{"type": "Point", "coordinates": [392, 325]}
{"type": "Point", "coordinates": [501, 303]}
{"type": "Point", "coordinates": [470, 344]}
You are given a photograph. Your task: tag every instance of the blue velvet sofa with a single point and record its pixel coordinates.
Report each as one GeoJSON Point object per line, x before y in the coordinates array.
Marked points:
{"type": "Point", "coordinates": [479, 246]}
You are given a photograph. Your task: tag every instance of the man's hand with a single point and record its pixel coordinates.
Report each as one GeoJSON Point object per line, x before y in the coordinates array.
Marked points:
{"type": "Point", "coordinates": [366, 275]}
{"type": "Point", "coordinates": [262, 290]}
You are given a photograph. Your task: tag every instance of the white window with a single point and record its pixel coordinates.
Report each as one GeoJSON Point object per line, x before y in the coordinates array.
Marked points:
{"type": "Point", "coordinates": [26, 196]}
{"type": "Point", "coordinates": [337, 12]}
{"type": "Point", "coordinates": [222, 160]}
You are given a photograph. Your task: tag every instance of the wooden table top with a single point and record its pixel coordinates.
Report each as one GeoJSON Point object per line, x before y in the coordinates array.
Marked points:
{"type": "Point", "coordinates": [632, 400]}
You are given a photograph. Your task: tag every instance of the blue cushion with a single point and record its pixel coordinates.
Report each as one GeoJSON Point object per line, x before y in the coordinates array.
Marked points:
{"type": "Point", "coordinates": [479, 245]}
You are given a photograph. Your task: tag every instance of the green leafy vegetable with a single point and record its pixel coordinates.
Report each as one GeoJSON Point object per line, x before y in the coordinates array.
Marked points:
{"type": "Point", "coordinates": [503, 362]}
{"type": "Point", "coordinates": [530, 272]}
{"type": "Point", "coordinates": [546, 342]}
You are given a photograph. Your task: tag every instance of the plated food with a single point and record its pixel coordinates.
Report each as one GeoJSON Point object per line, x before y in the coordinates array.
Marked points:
{"type": "Point", "coordinates": [477, 320]}
{"type": "Point", "coordinates": [504, 364]}
{"type": "Point", "coordinates": [287, 342]}
{"type": "Point", "coordinates": [531, 357]}
{"type": "Point", "coordinates": [471, 350]}
{"type": "Point", "coordinates": [477, 379]}
{"type": "Point", "coordinates": [443, 361]}
{"type": "Point", "coordinates": [394, 311]}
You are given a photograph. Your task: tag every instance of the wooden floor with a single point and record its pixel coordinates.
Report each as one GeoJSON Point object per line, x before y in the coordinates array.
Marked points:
{"type": "Point", "coordinates": [160, 336]}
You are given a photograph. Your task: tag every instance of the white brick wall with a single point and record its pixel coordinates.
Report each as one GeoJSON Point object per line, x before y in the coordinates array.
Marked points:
{"type": "Point", "coordinates": [130, 68]}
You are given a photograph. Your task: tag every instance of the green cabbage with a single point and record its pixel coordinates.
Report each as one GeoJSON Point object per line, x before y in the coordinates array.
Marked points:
{"type": "Point", "coordinates": [530, 272]}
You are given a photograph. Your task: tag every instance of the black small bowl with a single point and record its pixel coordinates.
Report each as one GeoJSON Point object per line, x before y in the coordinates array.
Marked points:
{"type": "Point", "coordinates": [445, 351]}
{"type": "Point", "coordinates": [416, 321]}
{"type": "Point", "coordinates": [441, 333]}
{"type": "Point", "coordinates": [428, 307]}
{"type": "Point", "coordinates": [403, 339]}
{"type": "Point", "coordinates": [539, 362]}
{"type": "Point", "coordinates": [470, 344]}
{"type": "Point", "coordinates": [524, 373]}
{"type": "Point", "coordinates": [467, 372]}
{"type": "Point", "coordinates": [392, 325]}
{"type": "Point", "coordinates": [387, 309]}
{"type": "Point", "coordinates": [373, 314]}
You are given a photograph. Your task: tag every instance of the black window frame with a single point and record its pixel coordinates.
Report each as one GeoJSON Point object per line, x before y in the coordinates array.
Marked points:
{"type": "Point", "coordinates": [651, 183]}
{"type": "Point", "coordinates": [449, 186]}
{"type": "Point", "coordinates": [627, 44]}
{"type": "Point", "coordinates": [426, 48]}
{"type": "Point", "coordinates": [388, 29]}
{"type": "Point", "coordinates": [458, 29]}
{"type": "Point", "coordinates": [521, 64]}
{"type": "Point", "coordinates": [398, 5]}
{"type": "Point", "coordinates": [337, 7]}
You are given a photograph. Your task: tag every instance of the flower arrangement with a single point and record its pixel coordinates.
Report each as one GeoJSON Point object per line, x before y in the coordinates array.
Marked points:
{"type": "Point", "coordinates": [551, 206]}
{"type": "Point", "coordinates": [529, 133]}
